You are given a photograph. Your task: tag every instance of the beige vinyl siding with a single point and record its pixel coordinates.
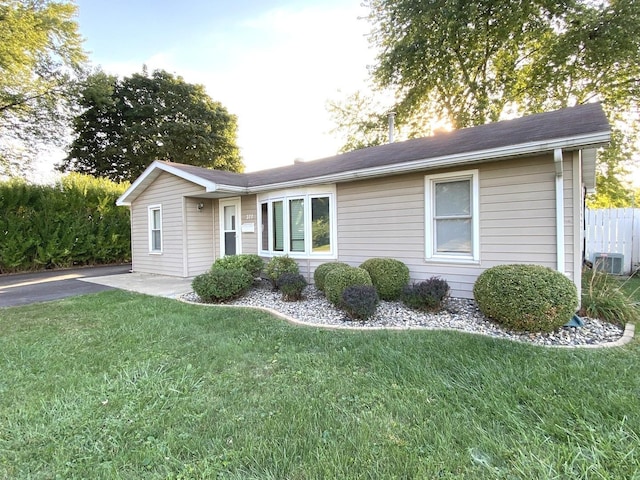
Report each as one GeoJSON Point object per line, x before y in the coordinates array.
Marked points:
{"type": "Point", "coordinates": [385, 218]}
{"type": "Point", "coordinates": [517, 212]}
{"type": "Point", "coordinates": [250, 215]}
{"type": "Point", "coordinates": [168, 191]}
{"type": "Point", "coordinates": [200, 249]}
{"type": "Point", "coordinates": [381, 217]}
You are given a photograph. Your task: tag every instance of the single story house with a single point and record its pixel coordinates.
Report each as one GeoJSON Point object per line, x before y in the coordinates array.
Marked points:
{"type": "Point", "coordinates": [450, 205]}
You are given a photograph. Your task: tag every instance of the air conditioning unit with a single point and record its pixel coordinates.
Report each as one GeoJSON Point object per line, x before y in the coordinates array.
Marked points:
{"type": "Point", "coordinates": [608, 262]}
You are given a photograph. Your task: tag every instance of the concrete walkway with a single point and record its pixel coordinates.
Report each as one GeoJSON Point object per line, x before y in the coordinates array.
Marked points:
{"type": "Point", "coordinates": [150, 284]}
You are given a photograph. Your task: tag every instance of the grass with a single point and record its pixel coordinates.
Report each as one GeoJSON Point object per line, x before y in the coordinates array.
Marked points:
{"type": "Point", "coordinates": [119, 385]}
{"type": "Point", "coordinates": [631, 287]}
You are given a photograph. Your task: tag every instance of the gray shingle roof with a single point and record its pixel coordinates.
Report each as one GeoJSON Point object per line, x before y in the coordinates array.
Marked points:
{"type": "Point", "coordinates": [574, 122]}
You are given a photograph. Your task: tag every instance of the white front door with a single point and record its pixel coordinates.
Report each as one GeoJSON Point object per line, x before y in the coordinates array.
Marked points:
{"type": "Point", "coordinates": [230, 227]}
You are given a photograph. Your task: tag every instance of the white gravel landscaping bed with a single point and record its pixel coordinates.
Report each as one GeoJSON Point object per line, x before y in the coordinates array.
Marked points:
{"type": "Point", "coordinates": [458, 314]}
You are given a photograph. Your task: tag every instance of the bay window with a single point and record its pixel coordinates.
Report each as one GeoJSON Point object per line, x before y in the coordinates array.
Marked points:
{"type": "Point", "coordinates": [299, 223]}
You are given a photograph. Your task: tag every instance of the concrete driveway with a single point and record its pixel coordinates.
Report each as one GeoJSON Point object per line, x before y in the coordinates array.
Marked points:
{"type": "Point", "coordinates": [22, 289]}
{"type": "Point", "coordinates": [25, 288]}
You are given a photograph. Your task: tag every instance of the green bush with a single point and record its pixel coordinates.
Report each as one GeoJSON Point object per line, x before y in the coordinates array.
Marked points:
{"type": "Point", "coordinates": [388, 275]}
{"type": "Point", "coordinates": [321, 271]}
{"type": "Point", "coordinates": [291, 285]}
{"type": "Point", "coordinates": [603, 298]}
{"type": "Point", "coordinates": [219, 285]}
{"type": "Point", "coordinates": [278, 266]}
{"type": "Point", "coordinates": [360, 301]}
{"type": "Point", "coordinates": [527, 298]}
{"type": "Point", "coordinates": [428, 295]}
{"type": "Point", "coordinates": [250, 262]}
{"type": "Point", "coordinates": [338, 279]}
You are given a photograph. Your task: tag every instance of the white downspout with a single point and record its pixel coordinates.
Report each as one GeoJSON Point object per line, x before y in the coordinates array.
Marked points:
{"type": "Point", "coordinates": [557, 159]}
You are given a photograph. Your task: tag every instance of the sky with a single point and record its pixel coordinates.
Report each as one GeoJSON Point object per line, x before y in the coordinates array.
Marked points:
{"type": "Point", "coordinates": [274, 64]}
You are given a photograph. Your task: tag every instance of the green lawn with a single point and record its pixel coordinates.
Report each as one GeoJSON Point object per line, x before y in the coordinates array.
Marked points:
{"type": "Point", "coordinates": [631, 287]}
{"type": "Point", "coordinates": [119, 385]}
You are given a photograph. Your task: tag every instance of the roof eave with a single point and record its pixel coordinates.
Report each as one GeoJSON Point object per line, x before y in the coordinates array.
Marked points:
{"type": "Point", "coordinates": [150, 174]}
{"type": "Point", "coordinates": [591, 140]}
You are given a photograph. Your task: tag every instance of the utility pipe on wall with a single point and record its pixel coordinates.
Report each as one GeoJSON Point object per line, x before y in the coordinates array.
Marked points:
{"type": "Point", "coordinates": [392, 116]}
{"type": "Point", "coordinates": [557, 160]}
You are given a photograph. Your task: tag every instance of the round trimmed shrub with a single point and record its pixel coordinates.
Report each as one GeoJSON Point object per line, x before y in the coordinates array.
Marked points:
{"type": "Point", "coordinates": [321, 271]}
{"type": "Point", "coordinates": [338, 279]}
{"type": "Point", "coordinates": [291, 285]}
{"type": "Point", "coordinates": [360, 301]}
{"type": "Point", "coordinates": [250, 262]}
{"type": "Point", "coordinates": [388, 275]}
{"type": "Point", "coordinates": [219, 285]}
{"type": "Point", "coordinates": [529, 298]}
{"type": "Point", "coordinates": [278, 266]}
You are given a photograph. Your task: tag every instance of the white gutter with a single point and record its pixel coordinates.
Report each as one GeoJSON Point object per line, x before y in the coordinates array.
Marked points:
{"type": "Point", "coordinates": [557, 159]}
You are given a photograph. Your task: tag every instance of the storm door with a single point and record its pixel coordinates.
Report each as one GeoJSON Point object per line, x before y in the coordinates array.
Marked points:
{"type": "Point", "coordinates": [229, 227]}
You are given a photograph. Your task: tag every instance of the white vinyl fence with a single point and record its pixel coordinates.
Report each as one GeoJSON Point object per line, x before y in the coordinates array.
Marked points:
{"type": "Point", "coordinates": [615, 230]}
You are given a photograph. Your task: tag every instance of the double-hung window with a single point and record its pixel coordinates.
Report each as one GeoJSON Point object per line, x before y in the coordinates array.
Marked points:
{"type": "Point", "coordinates": [155, 229]}
{"type": "Point", "coordinates": [451, 206]}
{"type": "Point", "coordinates": [298, 223]}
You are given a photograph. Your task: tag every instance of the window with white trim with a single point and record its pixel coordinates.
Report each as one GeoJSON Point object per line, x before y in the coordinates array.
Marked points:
{"type": "Point", "coordinates": [452, 219]}
{"type": "Point", "coordinates": [155, 229]}
{"type": "Point", "coordinates": [299, 223]}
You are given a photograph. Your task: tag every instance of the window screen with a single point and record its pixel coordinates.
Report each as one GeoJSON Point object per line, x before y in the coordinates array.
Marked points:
{"type": "Point", "coordinates": [278, 226]}
{"type": "Point", "coordinates": [296, 225]}
{"type": "Point", "coordinates": [155, 230]}
{"type": "Point", "coordinates": [452, 219]}
{"type": "Point", "coordinates": [320, 225]}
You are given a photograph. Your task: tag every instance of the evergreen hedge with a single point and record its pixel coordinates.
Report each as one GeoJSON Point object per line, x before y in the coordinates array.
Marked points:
{"type": "Point", "coordinates": [75, 222]}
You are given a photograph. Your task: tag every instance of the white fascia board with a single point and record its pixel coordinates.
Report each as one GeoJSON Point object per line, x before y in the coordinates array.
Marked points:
{"type": "Point", "coordinates": [590, 140]}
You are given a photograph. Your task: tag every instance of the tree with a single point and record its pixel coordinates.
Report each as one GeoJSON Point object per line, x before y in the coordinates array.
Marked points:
{"type": "Point", "coordinates": [364, 122]}
{"type": "Point", "coordinates": [479, 61]}
{"type": "Point", "coordinates": [361, 119]}
{"type": "Point", "coordinates": [40, 58]}
{"type": "Point", "coordinates": [129, 123]}
{"type": "Point", "coordinates": [611, 191]}
{"type": "Point", "coordinates": [476, 60]}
